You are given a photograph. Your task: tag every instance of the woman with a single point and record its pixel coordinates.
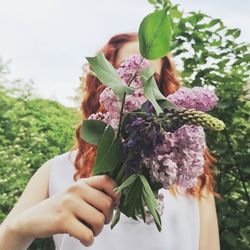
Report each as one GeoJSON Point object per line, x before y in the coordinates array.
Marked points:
{"type": "Point", "coordinates": [75, 212]}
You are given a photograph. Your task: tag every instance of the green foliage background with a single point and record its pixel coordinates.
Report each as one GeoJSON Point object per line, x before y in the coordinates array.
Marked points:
{"type": "Point", "coordinates": [208, 53]}
{"type": "Point", "coordinates": [34, 130]}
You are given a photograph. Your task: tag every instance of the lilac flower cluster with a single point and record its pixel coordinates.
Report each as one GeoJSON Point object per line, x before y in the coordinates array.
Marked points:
{"type": "Point", "coordinates": [180, 159]}
{"type": "Point", "coordinates": [198, 98]}
{"type": "Point", "coordinates": [144, 137]}
{"type": "Point", "coordinates": [128, 68]}
{"type": "Point", "coordinates": [132, 102]}
{"type": "Point", "coordinates": [175, 157]}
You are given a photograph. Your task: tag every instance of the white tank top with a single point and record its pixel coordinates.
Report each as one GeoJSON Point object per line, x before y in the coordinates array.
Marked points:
{"type": "Point", "coordinates": [180, 220]}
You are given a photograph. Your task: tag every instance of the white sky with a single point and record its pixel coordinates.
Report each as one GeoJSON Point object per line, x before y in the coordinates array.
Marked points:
{"type": "Point", "coordinates": [48, 40]}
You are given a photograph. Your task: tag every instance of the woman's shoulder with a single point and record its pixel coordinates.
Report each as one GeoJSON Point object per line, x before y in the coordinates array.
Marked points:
{"type": "Point", "coordinates": [62, 171]}
{"type": "Point", "coordinates": [66, 157]}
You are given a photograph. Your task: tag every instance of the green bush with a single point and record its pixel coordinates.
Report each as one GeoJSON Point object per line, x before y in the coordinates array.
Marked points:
{"type": "Point", "coordinates": [208, 53]}
{"type": "Point", "coordinates": [32, 131]}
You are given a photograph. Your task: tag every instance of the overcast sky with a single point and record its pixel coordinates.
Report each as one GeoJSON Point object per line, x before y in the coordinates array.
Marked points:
{"type": "Point", "coordinates": [48, 40]}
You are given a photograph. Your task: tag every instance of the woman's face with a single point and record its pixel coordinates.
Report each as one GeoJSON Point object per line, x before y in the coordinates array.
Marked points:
{"type": "Point", "coordinates": [132, 48]}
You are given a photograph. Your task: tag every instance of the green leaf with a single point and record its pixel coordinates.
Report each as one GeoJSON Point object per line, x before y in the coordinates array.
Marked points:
{"type": "Point", "coordinates": [230, 238]}
{"type": "Point", "coordinates": [129, 181]}
{"type": "Point", "coordinates": [246, 170]}
{"type": "Point", "coordinates": [150, 201]}
{"type": "Point", "coordinates": [91, 72]}
{"type": "Point", "coordinates": [166, 104]}
{"type": "Point", "coordinates": [152, 1]}
{"type": "Point", "coordinates": [213, 22]}
{"type": "Point", "coordinates": [146, 74]}
{"type": "Point", "coordinates": [245, 233]}
{"type": "Point", "coordinates": [92, 131]}
{"type": "Point", "coordinates": [131, 198]}
{"type": "Point", "coordinates": [142, 209]}
{"type": "Point", "coordinates": [237, 33]}
{"type": "Point", "coordinates": [132, 201]}
{"type": "Point", "coordinates": [215, 43]}
{"type": "Point", "coordinates": [108, 75]}
{"type": "Point", "coordinates": [155, 33]}
{"type": "Point", "coordinates": [111, 159]}
{"type": "Point", "coordinates": [245, 58]}
{"type": "Point", "coordinates": [149, 94]}
{"type": "Point", "coordinates": [108, 153]}
{"type": "Point", "coordinates": [150, 204]}
{"type": "Point", "coordinates": [105, 142]}
{"type": "Point", "coordinates": [151, 91]}
{"type": "Point", "coordinates": [116, 218]}
{"type": "Point", "coordinates": [234, 32]}
{"type": "Point", "coordinates": [148, 190]}
{"type": "Point", "coordinates": [175, 13]}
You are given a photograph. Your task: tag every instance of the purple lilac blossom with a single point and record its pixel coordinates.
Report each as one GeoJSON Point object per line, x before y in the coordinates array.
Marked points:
{"type": "Point", "coordinates": [179, 160]}
{"type": "Point", "coordinates": [145, 136]}
{"type": "Point", "coordinates": [199, 98]}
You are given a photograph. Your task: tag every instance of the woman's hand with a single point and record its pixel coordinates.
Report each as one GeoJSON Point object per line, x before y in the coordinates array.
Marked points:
{"type": "Point", "coordinates": [81, 211]}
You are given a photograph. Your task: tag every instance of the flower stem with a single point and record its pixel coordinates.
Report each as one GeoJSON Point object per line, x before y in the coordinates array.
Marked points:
{"type": "Point", "coordinates": [120, 175]}
{"type": "Point", "coordinates": [124, 96]}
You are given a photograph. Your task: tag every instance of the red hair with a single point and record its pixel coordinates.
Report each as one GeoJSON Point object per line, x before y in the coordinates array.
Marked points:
{"type": "Point", "coordinates": [167, 83]}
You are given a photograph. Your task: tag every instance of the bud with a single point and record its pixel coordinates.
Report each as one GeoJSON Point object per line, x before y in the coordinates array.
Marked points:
{"type": "Point", "coordinates": [175, 118]}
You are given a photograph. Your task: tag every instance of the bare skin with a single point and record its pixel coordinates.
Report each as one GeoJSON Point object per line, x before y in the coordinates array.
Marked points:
{"type": "Point", "coordinates": [132, 48]}
{"type": "Point", "coordinates": [81, 211]}
{"type": "Point", "coordinates": [37, 215]}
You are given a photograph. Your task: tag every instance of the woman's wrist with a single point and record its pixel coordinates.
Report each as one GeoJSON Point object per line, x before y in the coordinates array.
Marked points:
{"type": "Point", "coordinates": [13, 238]}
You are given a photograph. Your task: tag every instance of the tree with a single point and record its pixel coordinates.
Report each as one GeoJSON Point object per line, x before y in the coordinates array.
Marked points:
{"type": "Point", "coordinates": [32, 131]}
{"type": "Point", "coordinates": [207, 53]}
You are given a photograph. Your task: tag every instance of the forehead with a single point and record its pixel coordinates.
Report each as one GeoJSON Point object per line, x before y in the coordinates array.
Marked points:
{"type": "Point", "coordinates": [131, 48]}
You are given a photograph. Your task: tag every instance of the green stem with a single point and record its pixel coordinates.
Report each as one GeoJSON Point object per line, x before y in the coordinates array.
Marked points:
{"type": "Point", "coordinates": [124, 96]}
{"type": "Point", "coordinates": [120, 175]}
{"type": "Point", "coordinates": [121, 116]}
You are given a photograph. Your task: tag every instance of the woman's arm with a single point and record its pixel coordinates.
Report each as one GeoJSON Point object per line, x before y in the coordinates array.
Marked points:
{"type": "Point", "coordinates": [35, 192]}
{"type": "Point", "coordinates": [209, 232]}
{"type": "Point", "coordinates": [81, 210]}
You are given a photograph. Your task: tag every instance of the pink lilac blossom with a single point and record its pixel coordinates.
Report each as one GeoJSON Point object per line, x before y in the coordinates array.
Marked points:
{"type": "Point", "coordinates": [199, 98]}
{"type": "Point", "coordinates": [109, 100]}
{"type": "Point", "coordinates": [179, 160]}
{"type": "Point", "coordinates": [132, 102]}
{"type": "Point", "coordinates": [111, 118]}
{"type": "Point", "coordinates": [97, 116]}
{"type": "Point", "coordinates": [128, 68]}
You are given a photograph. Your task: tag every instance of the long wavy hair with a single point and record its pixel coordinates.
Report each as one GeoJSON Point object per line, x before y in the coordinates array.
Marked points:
{"type": "Point", "coordinates": [167, 82]}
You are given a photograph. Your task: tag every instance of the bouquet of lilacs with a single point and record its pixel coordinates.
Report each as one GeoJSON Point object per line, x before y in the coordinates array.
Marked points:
{"type": "Point", "coordinates": [147, 141]}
